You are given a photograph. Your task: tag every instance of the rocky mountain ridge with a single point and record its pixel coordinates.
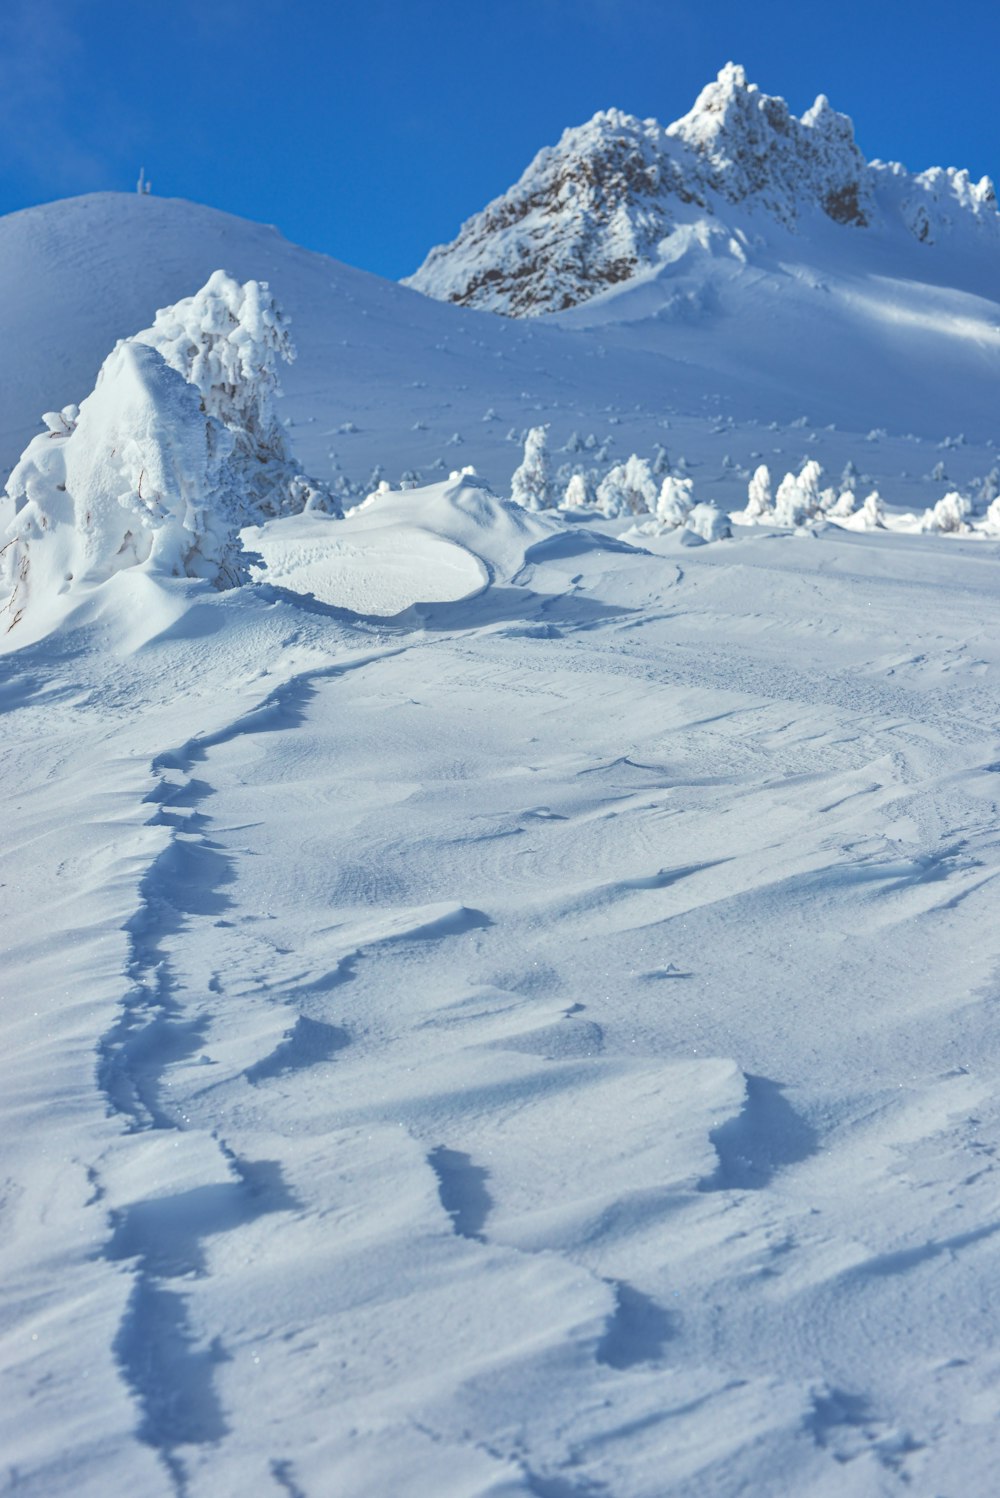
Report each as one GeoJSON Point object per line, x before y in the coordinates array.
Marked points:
{"type": "Point", "coordinates": [594, 211]}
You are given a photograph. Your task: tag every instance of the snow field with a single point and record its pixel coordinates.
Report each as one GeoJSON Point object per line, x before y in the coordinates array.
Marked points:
{"type": "Point", "coordinates": [543, 1040]}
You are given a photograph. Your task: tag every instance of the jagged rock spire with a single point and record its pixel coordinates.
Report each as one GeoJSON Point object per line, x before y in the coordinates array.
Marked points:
{"type": "Point", "coordinates": [593, 210]}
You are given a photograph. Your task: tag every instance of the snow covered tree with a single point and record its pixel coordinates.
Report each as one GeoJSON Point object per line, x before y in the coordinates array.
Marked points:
{"type": "Point", "coordinates": [144, 478]}
{"type": "Point", "coordinates": [789, 502]}
{"type": "Point", "coordinates": [759, 494]}
{"type": "Point", "coordinates": [611, 497]}
{"type": "Point", "coordinates": [873, 512]}
{"type": "Point", "coordinates": [661, 461]}
{"type": "Point", "coordinates": [628, 489]}
{"type": "Point", "coordinates": [531, 484]}
{"type": "Point", "coordinates": [675, 501]}
{"type": "Point", "coordinates": [227, 340]}
{"type": "Point", "coordinates": [641, 488]}
{"type": "Point", "coordinates": [843, 506]}
{"type": "Point", "coordinates": [809, 480]}
{"type": "Point", "coordinates": [948, 515]}
{"type": "Point", "coordinates": [798, 497]}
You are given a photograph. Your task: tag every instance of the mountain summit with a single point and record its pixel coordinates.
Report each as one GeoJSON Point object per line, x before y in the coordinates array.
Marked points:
{"type": "Point", "coordinates": [594, 210]}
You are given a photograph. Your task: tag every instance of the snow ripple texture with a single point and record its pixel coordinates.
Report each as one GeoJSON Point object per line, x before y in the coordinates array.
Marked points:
{"type": "Point", "coordinates": [541, 1044]}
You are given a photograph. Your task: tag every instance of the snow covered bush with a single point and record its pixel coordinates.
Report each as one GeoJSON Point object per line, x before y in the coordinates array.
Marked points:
{"type": "Point", "coordinates": [759, 495]}
{"type": "Point", "coordinates": [843, 506]}
{"type": "Point", "coordinates": [144, 478]}
{"type": "Point", "coordinates": [226, 340]}
{"type": "Point", "coordinates": [707, 522]}
{"type": "Point", "coordinates": [949, 515]}
{"type": "Point", "coordinates": [675, 501]}
{"type": "Point", "coordinates": [531, 484]}
{"type": "Point", "coordinates": [61, 423]}
{"type": "Point", "coordinates": [628, 489]}
{"type": "Point", "coordinates": [579, 494]}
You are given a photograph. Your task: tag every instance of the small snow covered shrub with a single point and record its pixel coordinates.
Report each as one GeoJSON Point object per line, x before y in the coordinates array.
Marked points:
{"type": "Point", "coordinates": [227, 340]}
{"type": "Point", "coordinates": [61, 423]}
{"type": "Point", "coordinates": [949, 515]}
{"type": "Point", "coordinates": [708, 523]}
{"type": "Point", "coordinates": [759, 495]}
{"type": "Point", "coordinates": [843, 506]}
{"type": "Point", "coordinates": [143, 478]}
{"type": "Point", "coordinates": [531, 484]}
{"type": "Point", "coordinates": [675, 501]}
{"type": "Point", "coordinates": [579, 494]}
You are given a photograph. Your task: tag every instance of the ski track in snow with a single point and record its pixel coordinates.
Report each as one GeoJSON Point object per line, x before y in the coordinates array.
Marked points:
{"type": "Point", "coordinates": [553, 1049]}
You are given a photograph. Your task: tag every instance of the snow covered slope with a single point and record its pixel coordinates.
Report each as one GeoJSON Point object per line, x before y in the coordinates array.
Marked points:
{"type": "Point", "coordinates": [490, 1009]}
{"type": "Point", "coordinates": [701, 358]}
{"type": "Point", "coordinates": [543, 1043]}
{"type": "Point", "coordinates": [595, 210]}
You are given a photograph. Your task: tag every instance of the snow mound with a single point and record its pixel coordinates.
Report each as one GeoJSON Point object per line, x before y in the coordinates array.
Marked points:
{"type": "Point", "coordinates": [436, 544]}
{"type": "Point", "coordinates": [141, 478]}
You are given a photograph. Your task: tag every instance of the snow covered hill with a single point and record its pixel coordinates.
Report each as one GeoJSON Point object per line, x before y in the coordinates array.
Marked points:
{"type": "Point", "coordinates": [616, 197]}
{"type": "Point", "coordinates": [722, 363]}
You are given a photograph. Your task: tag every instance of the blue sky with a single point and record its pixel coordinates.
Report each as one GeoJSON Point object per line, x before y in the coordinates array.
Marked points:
{"type": "Point", "coordinates": [370, 130]}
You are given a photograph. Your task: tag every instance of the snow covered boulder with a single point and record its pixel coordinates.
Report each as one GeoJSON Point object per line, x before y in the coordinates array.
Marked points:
{"type": "Point", "coordinates": [708, 523]}
{"type": "Point", "coordinates": [226, 340]}
{"type": "Point", "coordinates": [142, 477]}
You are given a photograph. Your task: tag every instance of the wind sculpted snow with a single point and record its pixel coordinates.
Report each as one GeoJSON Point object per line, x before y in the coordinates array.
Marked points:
{"type": "Point", "coordinates": [539, 1042]}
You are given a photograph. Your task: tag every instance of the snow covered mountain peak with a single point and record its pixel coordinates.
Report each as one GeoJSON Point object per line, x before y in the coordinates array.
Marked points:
{"type": "Point", "coordinates": [593, 211]}
{"type": "Point", "coordinates": [749, 147]}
